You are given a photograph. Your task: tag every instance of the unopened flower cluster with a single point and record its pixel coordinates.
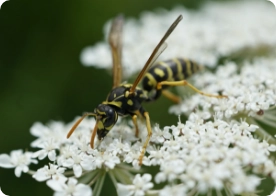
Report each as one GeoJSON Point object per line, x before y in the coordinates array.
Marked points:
{"type": "Point", "coordinates": [220, 148]}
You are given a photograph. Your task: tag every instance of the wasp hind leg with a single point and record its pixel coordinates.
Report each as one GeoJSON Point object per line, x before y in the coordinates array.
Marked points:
{"type": "Point", "coordinates": [146, 116]}
{"type": "Point", "coordinates": [185, 83]}
{"type": "Point", "coordinates": [169, 95]}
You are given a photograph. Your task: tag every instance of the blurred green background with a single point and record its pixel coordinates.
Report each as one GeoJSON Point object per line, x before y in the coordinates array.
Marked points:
{"type": "Point", "coordinates": [42, 78]}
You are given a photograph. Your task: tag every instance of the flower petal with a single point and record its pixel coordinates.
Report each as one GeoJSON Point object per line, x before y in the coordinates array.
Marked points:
{"type": "Point", "coordinates": [18, 171]}
{"type": "Point", "coordinates": [52, 155]}
{"type": "Point", "coordinates": [83, 190]}
{"type": "Point", "coordinates": [55, 185]}
{"type": "Point", "coordinates": [40, 175]}
{"type": "Point", "coordinates": [77, 170]}
{"type": "Point", "coordinates": [124, 190]}
{"type": "Point", "coordinates": [5, 161]}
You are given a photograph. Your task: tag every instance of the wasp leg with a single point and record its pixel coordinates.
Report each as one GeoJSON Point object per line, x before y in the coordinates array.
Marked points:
{"type": "Point", "coordinates": [174, 98]}
{"type": "Point", "coordinates": [146, 115]}
{"type": "Point", "coordinates": [185, 83]}
{"type": "Point", "coordinates": [134, 120]}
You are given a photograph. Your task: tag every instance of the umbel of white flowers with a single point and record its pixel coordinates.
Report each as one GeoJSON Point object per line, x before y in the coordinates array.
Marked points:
{"type": "Point", "coordinates": [220, 149]}
{"type": "Point", "coordinates": [216, 31]}
{"type": "Point", "coordinates": [195, 157]}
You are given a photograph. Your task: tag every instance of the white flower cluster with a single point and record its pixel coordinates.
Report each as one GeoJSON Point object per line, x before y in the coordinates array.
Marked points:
{"type": "Point", "coordinates": [197, 156]}
{"type": "Point", "coordinates": [217, 30]}
{"type": "Point", "coordinates": [212, 151]}
{"type": "Point", "coordinates": [251, 91]}
{"type": "Point", "coordinates": [212, 155]}
{"type": "Point", "coordinates": [18, 160]}
{"type": "Point", "coordinates": [139, 186]}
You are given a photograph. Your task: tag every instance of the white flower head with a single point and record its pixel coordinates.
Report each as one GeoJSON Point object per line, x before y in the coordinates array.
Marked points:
{"type": "Point", "coordinates": [105, 159]}
{"type": "Point", "coordinates": [48, 148]}
{"type": "Point", "coordinates": [222, 147]}
{"type": "Point", "coordinates": [49, 172]}
{"type": "Point", "coordinates": [69, 187]}
{"type": "Point", "coordinates": [247, 91]}
{"type": "Point", "coordinates": [160, 135]}
{"type": "Point", "coordinates": [18, 160]}
{"type": "Point", "coordinates": [53, 132]}
{"type": "Point", "coordinates": [141, 184]}
{"type": "Point", "coordinates": [201, 36]}
{"type": "Point", "coordinates": [75, 161]}
{"type": "Point", "coordinates": [175, 190]}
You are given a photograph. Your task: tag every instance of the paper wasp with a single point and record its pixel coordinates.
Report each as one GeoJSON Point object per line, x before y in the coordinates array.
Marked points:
{"type": "Point", "coordinates": [126, 99]}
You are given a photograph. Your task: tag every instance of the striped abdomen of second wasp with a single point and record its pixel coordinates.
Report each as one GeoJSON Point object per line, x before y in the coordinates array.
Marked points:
{"type": "Point", "coordinates": [171, 70]}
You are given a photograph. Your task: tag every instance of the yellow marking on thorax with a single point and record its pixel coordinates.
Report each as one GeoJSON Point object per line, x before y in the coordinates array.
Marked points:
{"type": "Point", "coordinates": [159, 72]}
{"type": "Point", "coordinates": [152, 81]}
{"type": "Point", "coordinates": [116, 103]}
{"type": "Point", "coordinates": [170, 73]}
{"type": "Point", "coordinates": [126, 94]}
{"type": "Point", "coordinates": [129, 102]}
{"type": "Point", "coordinates": [188, 67]}
{"type": "Point", "coordinates": [116, 98]}
{"type": "Point", "coordinates": [127, 85]}
{"type": "Point", "coordinates": [179, 69]}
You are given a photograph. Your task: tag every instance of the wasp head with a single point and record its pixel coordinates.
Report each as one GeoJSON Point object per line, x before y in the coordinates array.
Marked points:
{"type": "Point", "coordinates": [106, 118]}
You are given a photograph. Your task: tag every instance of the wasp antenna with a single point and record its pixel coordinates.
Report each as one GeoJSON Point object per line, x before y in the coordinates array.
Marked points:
{"type": "Point", "coordinates": [78, 122]}
{"type": "Point", "coordinates": [161, 46]}
{"type": "Point", "coordinates": [93, 135]}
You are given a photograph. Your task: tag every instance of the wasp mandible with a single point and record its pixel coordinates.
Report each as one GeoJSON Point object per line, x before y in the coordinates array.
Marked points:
{"type": "Point", "coordinates": [126, 99]}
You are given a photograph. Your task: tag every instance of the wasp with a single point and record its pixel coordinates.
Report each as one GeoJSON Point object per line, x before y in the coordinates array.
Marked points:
{"type": "Point", "coordinates": [127, 99]}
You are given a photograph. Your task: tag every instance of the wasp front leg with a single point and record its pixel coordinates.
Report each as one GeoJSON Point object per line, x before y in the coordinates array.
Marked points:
{"type": "Point", "coordinates": [134, 120]}
{"type": "Point", "coordinates": [146, 116]}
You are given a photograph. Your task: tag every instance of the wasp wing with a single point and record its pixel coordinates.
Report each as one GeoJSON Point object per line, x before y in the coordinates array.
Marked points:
{"type": "Point", "coordinates": [161, 46]}
{"type": "Point", "coordinates": [149, 63]}
{"type": "Point", "coordinates": [115, 42]}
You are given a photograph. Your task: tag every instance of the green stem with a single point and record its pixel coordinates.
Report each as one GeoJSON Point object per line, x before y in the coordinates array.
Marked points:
{"type": "Point", "coordinates": [112, 177]}
{"type": "Point", "coordinates": [31, 172]}
{"type": "Point", "coordinates": [99, 184]}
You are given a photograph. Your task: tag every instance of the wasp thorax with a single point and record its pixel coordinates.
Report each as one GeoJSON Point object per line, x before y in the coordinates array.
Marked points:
{"type": "Point", "coordinates": [106, 117]}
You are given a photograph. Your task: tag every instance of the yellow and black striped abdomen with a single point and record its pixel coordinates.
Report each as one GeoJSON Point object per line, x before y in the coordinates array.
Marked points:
{"type": "Point", "coordinates": [171, 70]}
